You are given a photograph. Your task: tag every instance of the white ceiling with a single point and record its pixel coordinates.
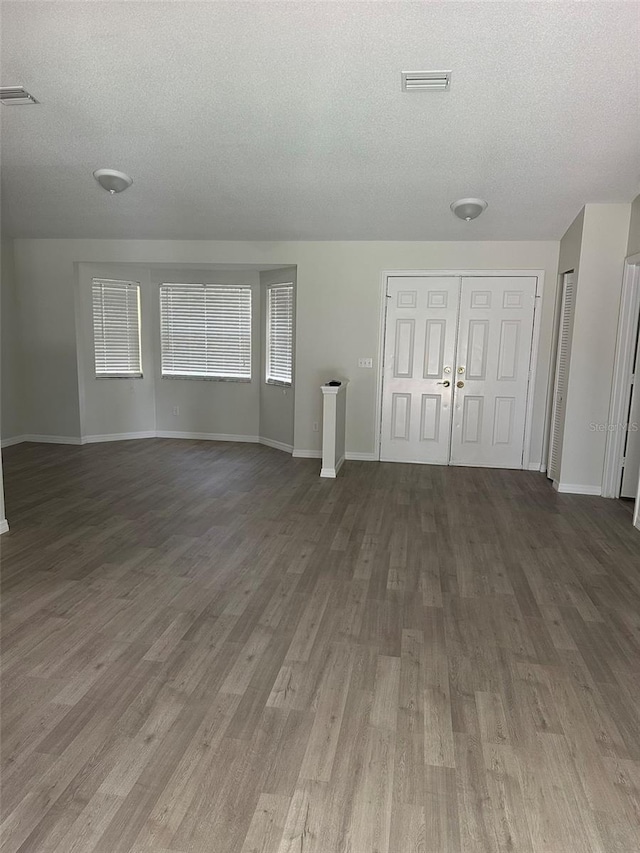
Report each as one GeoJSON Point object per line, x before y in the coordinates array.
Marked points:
{"type": "Point", "coordinates": [274, 121]}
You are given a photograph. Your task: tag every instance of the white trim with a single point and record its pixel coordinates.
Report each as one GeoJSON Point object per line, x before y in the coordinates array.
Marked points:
{"type": "Point", "coordinates": [533, 367]}
{"type": "Point", "coordinates": [622, 369]}
{"type": "Point", "coordinates": [536, 466]}
{"type": "Point", "coordinates": [306, 454]}
{"type": "Point", "coordinates": [133, 436]}
{"type": "Point", "coordinates": [332, 473]}
{"type": "Point", "coordinates": [277, 445]}
{"type": "Point", "coordinates": [9, 442]}
{"type": "Point", "coordinates": [117, 436]}
{"type": "Point", "coordinates": [576, 489]}
{"type": "Point", "coordinates": [535, 339]}
{"type": "Point", "coordinates": [43, 439]}
{"type": "Point", "coordinates": [4, 526]}
{"type": "Point", "coordinates": [356, 456]}
{"type": "Point", "coordinates": [208, 436]}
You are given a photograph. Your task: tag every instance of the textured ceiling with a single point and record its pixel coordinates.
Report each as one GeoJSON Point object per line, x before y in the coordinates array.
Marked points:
{"type": "Point", "coordinates": [274, 121]}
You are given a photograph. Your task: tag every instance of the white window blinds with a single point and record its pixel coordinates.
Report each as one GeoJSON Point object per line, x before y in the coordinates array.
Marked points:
{"type": "Point", "coordinates": [280, 334]}
{"type": "Point", "coordinates": [116, 328]}
{"type": "Point", "coordinates": [206, 331]}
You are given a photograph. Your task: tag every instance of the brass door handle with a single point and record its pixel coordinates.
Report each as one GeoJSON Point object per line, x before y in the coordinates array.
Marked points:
{"type": "Point", "coordinates": [459, 384]}
{"type": "Point", "coordinates": [446, 383]}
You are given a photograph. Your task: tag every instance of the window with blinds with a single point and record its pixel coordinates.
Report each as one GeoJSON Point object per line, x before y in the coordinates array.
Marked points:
{"type": "Point", "coordinates": [116, 328]}
{"type": "Point", "coordinates": [280, 334]}
{"type": "Point", "coordinates": [205, 331]}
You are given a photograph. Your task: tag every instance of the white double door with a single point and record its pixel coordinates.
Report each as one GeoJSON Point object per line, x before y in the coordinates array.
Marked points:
{"type": "Point", "coordinates": [456, 369]}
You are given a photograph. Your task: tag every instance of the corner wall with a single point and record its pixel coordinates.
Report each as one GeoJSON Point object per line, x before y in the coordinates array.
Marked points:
{"type": "Point", "coordinates": [603, 247]}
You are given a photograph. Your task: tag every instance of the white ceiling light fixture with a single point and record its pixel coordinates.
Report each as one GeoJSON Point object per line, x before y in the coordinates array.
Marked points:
{"type": "Point", "coordinates": [16, 95]}
{"type": "Point", "coordinates": [469, 208]}
{"type": "Point", "coordinates": [425, 81]}
{"type": "Point", "coordinates": [112, 181]}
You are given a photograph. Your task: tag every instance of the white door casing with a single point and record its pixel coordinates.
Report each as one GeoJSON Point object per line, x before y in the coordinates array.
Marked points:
{"type": "Point", "coordinates": [492, 371]}
{"type": "Point", "coordinates": [420, 340]}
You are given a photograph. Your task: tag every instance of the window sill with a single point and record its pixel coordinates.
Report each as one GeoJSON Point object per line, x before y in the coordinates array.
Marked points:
{"type": "Point", "coordinates": [205, 378]}
{"type": "Point", "coordinates": [278, 383]}
{"type": "Point", "coordinates": [119, 376]}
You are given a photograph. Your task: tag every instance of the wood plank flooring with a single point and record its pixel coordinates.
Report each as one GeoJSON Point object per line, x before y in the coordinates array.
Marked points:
{"type": "Point", "coordinates": [209, 648]}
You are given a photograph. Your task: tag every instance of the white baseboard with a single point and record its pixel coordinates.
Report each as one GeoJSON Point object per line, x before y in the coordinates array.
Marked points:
{"type": "Point", "coordinates": [132, 436]}
{"type": "Point", "coordinates": [277, 445]}
{"type": "Point", "coordinates": [4, 526]}
{"type": "Point", "coordinates": [332, 473]}
{"type": "Point", "coordinates": [207, 436]}
{"type": "Point", "coordinates": [355, 456]}
{"type": "Point", "coordinates": [352, 455]}
{"type": "Point", "coordinates": [536, 466]}
{"type": "Point", "coordinates": [118, 436]}
{"type": "Point", "coordinates": [9, 442]}
{"type": "Point", "coordinates": [576, 489]}
{"type": "Point", "coordinates": [52, 439]}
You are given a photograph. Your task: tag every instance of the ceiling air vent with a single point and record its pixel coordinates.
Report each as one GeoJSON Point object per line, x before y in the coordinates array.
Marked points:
{"type": "Point", "coordinates": [15, 95]}
{"type": "Point", "coordinates": [426, 81]}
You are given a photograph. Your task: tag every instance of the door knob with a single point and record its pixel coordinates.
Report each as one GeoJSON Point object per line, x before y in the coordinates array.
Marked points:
{"type": "Point", "coordinates": [446, 383]}
{"type": "Point", "coordinates": [461, 370]}
{"type": "Point", "coordinates": [459, 384]}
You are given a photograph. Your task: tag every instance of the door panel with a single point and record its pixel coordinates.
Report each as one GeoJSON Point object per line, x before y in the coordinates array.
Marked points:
{"type": "Point", "coordinates": [493, 361]}
{"type": "Point", "coordinates": [420, 340]}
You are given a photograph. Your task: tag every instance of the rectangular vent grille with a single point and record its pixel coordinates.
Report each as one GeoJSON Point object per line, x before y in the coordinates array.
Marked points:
{"type": "Point", "coordinates": [15, 95]}
{"type": "Point", "coordinates": [426, 81]}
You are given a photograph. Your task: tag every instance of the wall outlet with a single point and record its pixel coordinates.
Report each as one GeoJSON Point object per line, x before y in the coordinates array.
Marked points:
{"type": "Point", "coordinates": [365, 362]}
{"type": "Point", "coordinates": [315, 426]}
{"type": "Point", "coordinates": [176, 410]}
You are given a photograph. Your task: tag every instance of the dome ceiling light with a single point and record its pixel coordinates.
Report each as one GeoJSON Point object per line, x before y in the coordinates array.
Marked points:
{"type": "Point", "coordinates": [468, 208]}
{"type": "Point", "coordinates": [112, 181]}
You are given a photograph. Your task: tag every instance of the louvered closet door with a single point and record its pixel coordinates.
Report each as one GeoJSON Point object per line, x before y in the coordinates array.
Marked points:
{"type": "Point", "coordinates": [561, 375]}
{"type": "Point", "coordinates": [492, 371]}
{"type": "Point", "coordinates": [419, 352]}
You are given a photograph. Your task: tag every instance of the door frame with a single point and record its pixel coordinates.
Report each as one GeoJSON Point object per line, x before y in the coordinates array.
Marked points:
{"type": "Point", "coordinates": [622, 366]}
{"type": "Point", "coordinates": [527, 464]}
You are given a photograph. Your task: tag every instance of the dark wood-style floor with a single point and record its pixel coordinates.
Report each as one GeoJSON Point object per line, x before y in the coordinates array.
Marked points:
{"type": "Point", "coordinates": [208, 648]}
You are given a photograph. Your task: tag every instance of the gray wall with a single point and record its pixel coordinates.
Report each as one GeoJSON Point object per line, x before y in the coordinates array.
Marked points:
{"type": "Point", "coordinates": [338, 315]}
{"type": "Point", "coordinates": [11, 397]}
{"type": "Point", "coordinates": [276, 403]}
{"type": "Point", "coordinates": [206, 406]}
{"type": "Point", "coordinates": [603, 242]}
{"type": "Point", "coordinates": [114, 406]}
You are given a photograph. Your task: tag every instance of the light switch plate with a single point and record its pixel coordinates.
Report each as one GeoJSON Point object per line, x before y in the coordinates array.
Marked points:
{"type": "Point", "coordinates": [365, 362]}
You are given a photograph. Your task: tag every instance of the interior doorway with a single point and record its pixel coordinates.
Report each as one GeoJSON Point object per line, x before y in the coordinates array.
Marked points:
{"type": "Point", "coordinates": [458, 365]}
{"type": "Point", "coordinates": [621, 477]}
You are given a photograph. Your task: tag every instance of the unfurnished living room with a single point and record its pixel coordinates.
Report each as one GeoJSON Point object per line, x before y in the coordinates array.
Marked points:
{"type": "Point", "coordinates": [320, 427]}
